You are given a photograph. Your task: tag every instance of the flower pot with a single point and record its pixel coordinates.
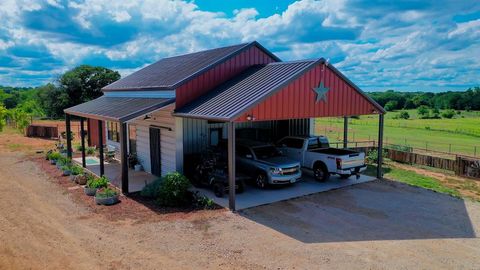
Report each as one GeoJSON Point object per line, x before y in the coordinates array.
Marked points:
{"type": "Point", "coordinates": [138, 167]}
{"type": "Point", "coordinates": [90, 191]}
{"type": "Point", "coordinates": [66, 172]}
{"type": "Point", "coordinates": [81, 179]}
{"type": "Point", "coordinates": [72, 177]}
{"type": "Point", "coordinates": [107, 200]}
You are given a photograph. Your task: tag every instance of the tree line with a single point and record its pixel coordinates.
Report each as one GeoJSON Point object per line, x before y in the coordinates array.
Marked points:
{"type": "Point", "coordinates": [75, 86]}
{"type": "Point", "coordinates": [85, 82]}
{"type": "Point", "coordinates": [393, 100]}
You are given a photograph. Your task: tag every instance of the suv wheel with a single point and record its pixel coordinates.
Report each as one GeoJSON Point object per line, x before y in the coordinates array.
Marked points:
{"type": "Point", "coordinates": [320, 172]}
{"type": "Point", "coordinates": [261, 180]}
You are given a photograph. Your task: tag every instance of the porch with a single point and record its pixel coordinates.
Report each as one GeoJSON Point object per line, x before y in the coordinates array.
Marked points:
{"type": "Point", "coordinates": [113, 171]}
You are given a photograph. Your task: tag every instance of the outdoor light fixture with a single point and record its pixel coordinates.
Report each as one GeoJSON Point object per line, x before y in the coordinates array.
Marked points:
{"type": "Point", "coordinates": [250, 117]}
{"type": "Point", "coordinates": [147, 117]}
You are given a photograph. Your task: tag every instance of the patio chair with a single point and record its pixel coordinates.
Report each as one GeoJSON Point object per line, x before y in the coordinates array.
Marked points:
{"type": "Point", "coordinates": [109, 153]}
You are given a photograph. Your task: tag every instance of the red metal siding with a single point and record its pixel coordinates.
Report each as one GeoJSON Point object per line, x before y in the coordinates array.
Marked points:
{"type": "Point", "coordinates": [298, 100]}
{"type": "Point", "coordinates": [93, 132]}
{"type": "Point", "coordinates": [219, 74]}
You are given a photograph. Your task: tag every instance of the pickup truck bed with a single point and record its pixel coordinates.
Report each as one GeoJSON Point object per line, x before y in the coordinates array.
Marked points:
{"type": "Point", "coordinates": [334, 151]}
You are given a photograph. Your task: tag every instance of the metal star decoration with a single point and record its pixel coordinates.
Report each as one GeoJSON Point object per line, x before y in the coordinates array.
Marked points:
{"type": "Point", "coordinates": [321, 92]}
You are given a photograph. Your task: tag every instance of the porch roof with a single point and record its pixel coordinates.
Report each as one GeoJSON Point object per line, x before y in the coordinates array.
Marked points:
{"type": "Point", "coordinates": [119, 109]}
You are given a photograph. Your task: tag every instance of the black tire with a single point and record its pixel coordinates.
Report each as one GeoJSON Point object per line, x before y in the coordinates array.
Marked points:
{"type": "Point", "coordinates": [320, 172]}
{"type": "Point", "coordinates": [261, 180]}
{"type": "Point", "coordinates": [345, 176]}
{"type": "Point", "coordinates": [219, 189]}
{"type": "Point", "coordinates": [241, 187]}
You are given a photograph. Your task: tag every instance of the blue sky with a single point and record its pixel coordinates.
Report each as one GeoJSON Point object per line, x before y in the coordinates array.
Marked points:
{"type": "Point", "coordinates": [379, 44]}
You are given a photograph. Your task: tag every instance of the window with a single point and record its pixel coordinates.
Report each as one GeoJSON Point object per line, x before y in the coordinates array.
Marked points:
{"type": "Point", "coordinates": [291, 143]}
{"type": "Point", "coordinates": [242, 151]}
{"type": "Point", "coordinates": [112, 131]}
{"type": "Point", "coordinates": [215, 135]}
{"type": "Point", "coordinates": [316, 143]}
{"type": "Point", "coordinates": [132, 138]}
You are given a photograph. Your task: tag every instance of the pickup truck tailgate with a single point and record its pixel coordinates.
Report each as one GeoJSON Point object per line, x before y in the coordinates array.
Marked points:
{"type": "Point", "coordinates": [353, 160]}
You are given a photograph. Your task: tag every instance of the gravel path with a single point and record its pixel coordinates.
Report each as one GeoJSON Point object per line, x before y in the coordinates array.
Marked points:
{"type": "Point", "coordinates": [378, 225]}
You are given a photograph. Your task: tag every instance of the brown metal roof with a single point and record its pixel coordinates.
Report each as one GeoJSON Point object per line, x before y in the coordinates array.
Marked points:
{"type": "Point", "coordinates": [119, 109]}
{"type": "Point", "coordinates": [234, 97]}
{"type": "Point", "coordinates": [169, 73]}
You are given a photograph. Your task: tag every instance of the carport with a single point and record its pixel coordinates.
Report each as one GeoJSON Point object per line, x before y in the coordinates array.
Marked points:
{"type": "Point", "coordinates": [282, 91]}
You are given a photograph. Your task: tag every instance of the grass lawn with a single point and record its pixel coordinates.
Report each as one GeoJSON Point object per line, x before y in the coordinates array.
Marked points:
{"type": "Point", "coordinates": [430, 179]}
{"type": "Point", "coordinates": [458, 135]}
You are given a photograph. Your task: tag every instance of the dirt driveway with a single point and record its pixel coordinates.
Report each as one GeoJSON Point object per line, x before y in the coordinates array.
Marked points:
{"type": "Point", "coordinates": [378, 225]}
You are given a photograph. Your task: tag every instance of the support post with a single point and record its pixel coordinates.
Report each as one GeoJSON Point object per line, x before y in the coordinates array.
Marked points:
{"type": "Point", "coordinates": [69, 135]}
{"type": "Point", "coordinates": [100, 147]}
{"type": "Point", "coordinates": [231, 165]}
{"type": "Point", "coordinates": [380, 147]}
{"type": "Point", "coordinates": [345, 132]}
{"type": "Point", "coordinates": [123, 160]}
{"type": "Point", "coordinates": [82, 136]}
{"type": "Point", "coordinates": [89, 139]}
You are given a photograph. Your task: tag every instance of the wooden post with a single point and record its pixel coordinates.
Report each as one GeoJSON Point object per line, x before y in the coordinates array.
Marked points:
{"type": "Point", "coordinates": [100, 147]}
{"type": "Point", "coordinates": [345, 132]}
{"type": "Point", "coordinates": [82, 136]}
{"type": "Point", "coordinates": [89, 140]}
{"type": "Point", "coordinates": [231, 165]}
{"type": "Point", "coordinates": [69, 135]}
{"type": "Point", "coordinates": [123, 152]}
{"type": "Point", "coordinates": [380, 147]}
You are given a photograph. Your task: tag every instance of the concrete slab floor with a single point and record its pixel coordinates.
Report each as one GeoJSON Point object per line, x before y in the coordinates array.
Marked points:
{"type": "Point", "coordinates": [253, 196]}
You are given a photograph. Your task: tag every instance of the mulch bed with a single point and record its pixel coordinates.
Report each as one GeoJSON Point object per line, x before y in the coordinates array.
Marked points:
{"type": "Point", "coordinates": [131, 207]}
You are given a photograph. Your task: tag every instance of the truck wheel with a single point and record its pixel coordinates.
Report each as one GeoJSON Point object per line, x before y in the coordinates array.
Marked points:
{"type": "Point", "coordinates": [261, 180]}
{"type": "Point", "coordinates": [345, 176]}
{"type": "Point", "coordinates": [219, 190]}
{"type": "Point", "coordinates": [320, 172]}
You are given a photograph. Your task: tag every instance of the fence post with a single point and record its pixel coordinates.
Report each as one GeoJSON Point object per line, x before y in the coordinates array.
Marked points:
{"type": "Point", "coordinates": [474, 151]}
{"type": "Point", "coordinates": [450, 148]}
{"type": "Point", "coordinates": [426, 146]}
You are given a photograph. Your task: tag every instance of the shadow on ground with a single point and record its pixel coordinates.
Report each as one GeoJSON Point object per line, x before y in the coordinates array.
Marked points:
{"type": "Point", "coordinates": [379, 210]}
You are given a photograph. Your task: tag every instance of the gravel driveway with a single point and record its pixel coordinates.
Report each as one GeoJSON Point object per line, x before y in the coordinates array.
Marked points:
{"type": "Point", "coordinates": [376, 225]}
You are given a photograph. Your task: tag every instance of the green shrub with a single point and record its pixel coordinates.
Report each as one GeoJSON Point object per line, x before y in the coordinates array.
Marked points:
{"type": "Point", "coordinates": [78, 147]}
{"type": "Point", "coordinates": [423, 112]}
{"type": "Point", "coordinates": [403, 115]}
{"type": "Point", "coordinates": [93, 182]}
{"type": "Point", "coordinates": [372, 156]}
{"type": "Point", "coordinates": [204, 202]}
{"type": "Point", "coordinates": [448, 114]}
{"type": "Point", "coordinates": [76, 170]}
{"type": "Point", "coordinates": [151, 190]}
{"type": "Point", "coordinates": [170, 190]}
{"type": "Point", "coordinates": [90, 150]}
{"type": "Point", "coordinates": [106, 193]}
{"type": "Point", "coordinates": [54, 156]}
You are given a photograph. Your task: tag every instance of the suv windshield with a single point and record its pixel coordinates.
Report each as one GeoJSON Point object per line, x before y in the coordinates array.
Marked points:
{"type": "Point", "coordinates": [263, 152]}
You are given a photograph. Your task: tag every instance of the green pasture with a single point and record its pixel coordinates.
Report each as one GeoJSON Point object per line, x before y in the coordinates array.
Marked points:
{"type": "Point", "coordinates": [458, 135]}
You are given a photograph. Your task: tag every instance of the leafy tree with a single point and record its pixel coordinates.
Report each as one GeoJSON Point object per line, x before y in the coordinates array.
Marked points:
{"type": "Point", "coordinates": [391, 105]}
{"type": "Point", "coordinates": [3, 116]}
{"type": "Point", "coordinates": [404, 115]}
{"type": "Point", "coordinates": [423, 112]}
{"type": "Point", "coordinates": [76, 86]}
{"type": "Point", "coordinates": [448, 114]}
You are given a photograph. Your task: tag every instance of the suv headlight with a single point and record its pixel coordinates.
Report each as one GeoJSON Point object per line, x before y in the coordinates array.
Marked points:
{"type": "Point", "coordinates": [276, 170]}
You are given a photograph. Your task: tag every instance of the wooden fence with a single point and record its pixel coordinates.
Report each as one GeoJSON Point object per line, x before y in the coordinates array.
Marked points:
{"type": "Point", "coordinates": [42, 131]}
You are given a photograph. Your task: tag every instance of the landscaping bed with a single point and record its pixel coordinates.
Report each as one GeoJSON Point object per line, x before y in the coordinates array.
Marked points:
{"type": "Point", "coordinates": [132, 207]}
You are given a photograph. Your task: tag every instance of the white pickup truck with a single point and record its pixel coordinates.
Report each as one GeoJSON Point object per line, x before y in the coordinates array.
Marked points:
{"type": "Point", "coordinates": [316, 154]}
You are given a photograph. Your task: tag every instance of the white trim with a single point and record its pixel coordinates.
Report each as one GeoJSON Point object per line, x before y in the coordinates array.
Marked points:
{"type": "Point", "coordinates": [141, 94]}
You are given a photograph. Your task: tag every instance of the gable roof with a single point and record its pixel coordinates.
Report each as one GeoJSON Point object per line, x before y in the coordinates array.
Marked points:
{"type": "Point", "coordinates": [232, 99]}
{"type": "Point", "coordinates": [171, 72]}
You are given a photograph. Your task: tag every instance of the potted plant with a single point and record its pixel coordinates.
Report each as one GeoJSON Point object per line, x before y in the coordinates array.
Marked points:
{"type": "Point", "coordinates": [75, 171]}
{"type": "Point", "coordinates": [81, 179]}
{"type": "Point", "coordinates": [132, 160]}
{"type": "Point", "coordinates": [67, 169]}
{"type": "Point", "coordinates": [53, 157]}
{"type": "Point", "coordinates": [106, 196]}
{"type": "Point", "coordinates": [94, 183]}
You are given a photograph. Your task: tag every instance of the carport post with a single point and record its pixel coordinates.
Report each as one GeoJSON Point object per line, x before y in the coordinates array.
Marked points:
{"type": "Point", "coordinates": [380, 147]}
{"type": "Point", "coordinates": [345, 132]}
{"type": "Point", "coordinates": [82, 136]}
{"type": "Point", "coordinates": [231, 165]}
{"type": "Point", "coordinates": [100, 149]}
{"type": "Point", "coordinates": [123, 152]}
{"type": "Point", "coordinates": [69, 135]}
